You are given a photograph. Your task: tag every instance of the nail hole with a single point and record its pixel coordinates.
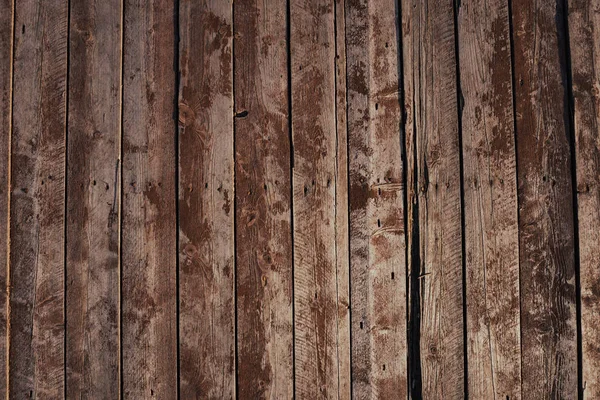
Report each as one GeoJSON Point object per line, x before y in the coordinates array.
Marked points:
{"type": "Point", "coordinates": [361, 325]}
{"type": "Point", "coordinates": [242, 114]}
{"type": "Point", "coordinates": [392, 276]}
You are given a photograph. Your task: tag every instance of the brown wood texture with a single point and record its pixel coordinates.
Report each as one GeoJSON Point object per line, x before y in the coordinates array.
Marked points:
{"type": "Point", "coordinates": [434, 197]}
{"type": "Point", "coordinates": [6, 80]}
{"type": "Point", "coordinates": [377, 239]}
{"type": "Point", "coordinates": [584, 32]}
{"type": "Point", "coordinates": [313, 83]}
{"type": "Point", "coordinates": [490, 201]}
{"type": "Point", "coordinates": [149, 231]}
{"type": "Point", "coordinates": [277, 199]}
{"type": "Point", "coordinates": [206, 196]}
{"type": "Point", "coordinates": [264, 278]}
{"type": "Point", "coordinates": [37, 209]}
{"type": "Point", "coordinates": [548, 310]}
{"type": "Point", "coordinates": [94, 200]}
{"type": "Point", "coordinates": [342, 239]}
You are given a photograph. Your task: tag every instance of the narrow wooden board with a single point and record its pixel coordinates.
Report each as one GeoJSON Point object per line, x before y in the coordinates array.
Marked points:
{"type": "Point", "coordinates": [149, 232]}
{"type": "Point", "coordinates": [6, 80]}
{"type": "Point", "coordinates": [548, 312]}
{"type": "Point", "coordinates": [490, 201]}
{"type": "Point", "coordinates": [93, 200]}
{"type": "Point", "coordinates": [434, 203]}
{"type": "Point", "coordinates": [36, 325]}
{"type": "Point", "coordinates": [377, 229]}
{"type": "Point", "coordinates": [206, 195]}
{"type": "Point", "coordinates": [312, 46]}
{"type": "Point", "coordinates": [263, 202]}
{"type": "Point", "coordinates": [584, 34]}
{"type": "Point", "coordinates": [342, 238]}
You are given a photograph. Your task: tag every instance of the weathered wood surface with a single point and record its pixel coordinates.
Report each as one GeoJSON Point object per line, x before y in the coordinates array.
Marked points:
{"type": "Point", "coordinates": [264, 281]}
{"type": "Point", "coordinates": [434, 199]}
{"type": "Point", "coordinates": [313, 86]}
{"type": "Point", "coordinates": [342, 239]}
{"type": "Point", "coordinates": [367, 199]}
{"type": "Point", "coordinates": [584, 32]}
{"type": "Point", "coordinates": [377, 240]}
{"type": "Point", "coordinates": [37, 197]}
{"type": "Point", "coordinates": [149, 285]}
{"type": "Point", "coordinates": [94, 200]}
{"type": "Point", "coordinates": [490, 201]}
{"type": "Point", "coordinates": [547, 273]}
{"type": "Point", "coordinates": [6, 81]}
{"type": "Point", "coordinates": [206, 196]}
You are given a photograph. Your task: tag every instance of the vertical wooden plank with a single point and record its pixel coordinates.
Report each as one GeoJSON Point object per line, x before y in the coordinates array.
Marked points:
{"type": "Point", "coordinates": [206, 192]}
{"type": "Point", "coordinates": [490, 201]}
{"type": "Point", "coordinates": [93, 200]}
{"type": "Point", "coordinates": [37, 207]}
{"type": "Point", "coordinates": [263, 199]}
{"type": "Point", "coordinates": [341, 208]}
{"type": "Point", "coordinates": [149, 282]}
{"type": "Point", "coordinates": [548, 315]}
{"type": "Point", "coordinates": [313, 47]}
{"type": "Point", "coordinates": [6, 79]}
{"type": "Point", "coordinates": [377, 232]}
{"type": "Point", "coordinates": [584, 34]}
{"type": "Point", "coordinates": [433, 184]}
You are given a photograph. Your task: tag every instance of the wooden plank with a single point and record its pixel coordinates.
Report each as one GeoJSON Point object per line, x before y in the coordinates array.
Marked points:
{"type": "Point", "coordinates": [548, 314]}
{"type": "Point", "coordinates": [6, 80]}
{"type": "Point", "coordinates": [263, 202]}
{"type": "Point", "coordinates": [312, 46]}
{"type": "Point", "coordinates": [377, 239]}
{"type": "Point", "coordinates": [149, 232]}
{"type": "Point", "coordinates": [206, 191]}
{"type": "Point", "coordinates": [37, 208]}
{"type": "Point", "coordinates": [434, 205]}
{"type": "Point", "coordinates": [341, 208]}
{"type": "Point", "coordinates": [490, 201]}
{"type": "Point", "coordinates": [584, 34]}
{"type": "Point", "coordinates": [93, 200]}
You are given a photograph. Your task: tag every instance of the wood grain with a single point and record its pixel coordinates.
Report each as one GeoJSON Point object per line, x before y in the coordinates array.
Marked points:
{"type": "Point", "coordinates": [434, 203]}
{"type": "Point", "coordinates": [149, 284]}
{"type": "Point", "coordinates": [548, 315]}
{"type": "Point", "coordinates": [37, 201]}
{"type": "Point", "coordinates": [6, 80]}
{"type": "Point", "coordinates": [342, 239]}
{"type": "Point", "coordinates": [206, 195]}
{"type": "Point", "coordinates": [263, 201]}
{"type": "Point", "coordinates": [377, 231]}
{"type": "Point", "coordinates": [312, 46]}
{"type": "Point", "coordinates": [584, 34]}
{"type": "Point", "coordinates": [490, 201]}
{"type": "Point", "coordinates": [93, 200]}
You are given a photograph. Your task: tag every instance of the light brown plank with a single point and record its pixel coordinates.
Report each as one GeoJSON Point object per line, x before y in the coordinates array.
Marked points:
{"type": "Point", "coordinates": [377, 234]}
{"type": "Point", "coordinates": [206, 195]}
{"type": "Point", "coordinates": [490, 201]}
{"type": "Point", "coordinates": [548, 315]}
{"type": "Point", "coordinates": [93, 200]}
{"type": "Point", "coordinates": [433, 185]}
{"type": "Point", "coordinates": [341, 208]}
{"type": "Point", "coordinates": [263, 200]}
{"type": "Point", "coordinates": [37, 207]}
{"type": "Point", "coordinates": [149, 284]}
{"type": "Point", "coordinates": [584, 35]}
{"type": "Point", "coordinates": [6, 65]}
{"type": "Point", "coordinates": [312, 46]}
